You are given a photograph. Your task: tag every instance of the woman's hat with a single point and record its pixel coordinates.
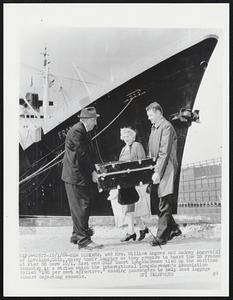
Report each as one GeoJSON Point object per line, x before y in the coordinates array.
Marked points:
{"type": "Point", "coordinates": [88, 113]}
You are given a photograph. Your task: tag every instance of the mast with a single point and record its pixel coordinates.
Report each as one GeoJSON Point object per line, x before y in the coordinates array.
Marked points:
{"type": "Point", "coordinates": [45, 86]}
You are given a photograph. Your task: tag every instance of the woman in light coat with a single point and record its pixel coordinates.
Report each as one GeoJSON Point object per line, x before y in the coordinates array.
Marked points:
{"type": "Point", "coordinates": [139, 211]}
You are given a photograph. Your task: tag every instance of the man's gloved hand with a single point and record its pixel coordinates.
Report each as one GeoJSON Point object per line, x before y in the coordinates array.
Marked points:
{"type": "Point", "coordinates": [94, 176]}
{"type": "Point", "coordinates": [155, 178]}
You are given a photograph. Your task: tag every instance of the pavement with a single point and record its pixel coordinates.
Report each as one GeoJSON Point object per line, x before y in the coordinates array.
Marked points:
{"type": "Point", "coordinates": [50, 240]}
{"type": "Point", "coordinates": [56, 238]}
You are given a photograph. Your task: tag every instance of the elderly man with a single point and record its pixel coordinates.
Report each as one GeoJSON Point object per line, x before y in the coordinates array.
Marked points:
{"type": "Point", "coordinates": [78, 173]}
{"type": "Point", "coordinates": [163, 146]}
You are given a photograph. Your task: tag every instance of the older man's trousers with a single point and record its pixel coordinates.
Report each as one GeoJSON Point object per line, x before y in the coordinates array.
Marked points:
{"type": "Point", "coordinates": [79, 198]}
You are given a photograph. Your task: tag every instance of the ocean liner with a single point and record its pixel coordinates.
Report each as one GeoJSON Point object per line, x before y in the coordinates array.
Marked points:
{"type": "Point", "coordinates": [173, 80]}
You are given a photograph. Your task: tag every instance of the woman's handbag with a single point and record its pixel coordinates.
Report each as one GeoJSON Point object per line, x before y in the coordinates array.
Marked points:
{"type": "Point", "coordinates": [128, 196]}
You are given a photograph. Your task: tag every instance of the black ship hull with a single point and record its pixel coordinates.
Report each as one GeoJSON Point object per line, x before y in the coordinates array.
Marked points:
{"type": "Point", "coordinates": [173, 83]}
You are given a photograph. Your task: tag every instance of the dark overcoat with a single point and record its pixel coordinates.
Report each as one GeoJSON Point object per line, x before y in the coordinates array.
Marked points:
{"type": "Point", "coordinates": [77, 162]}
{"type": "Point", "coordinates": [163, 146]}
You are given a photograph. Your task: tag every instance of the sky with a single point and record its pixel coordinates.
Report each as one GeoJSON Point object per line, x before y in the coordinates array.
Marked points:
{"type": "Point", "coordinates": [204, 139]}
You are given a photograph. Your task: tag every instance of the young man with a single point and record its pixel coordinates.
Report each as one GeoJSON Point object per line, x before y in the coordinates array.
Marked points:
{"type": "Point", "coordinates": [78, 173]}
{"type": "Point", "coordinates": [163, 146]}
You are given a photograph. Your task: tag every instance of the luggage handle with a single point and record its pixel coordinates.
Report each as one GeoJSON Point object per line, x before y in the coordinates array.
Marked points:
{"type": "Point", "coordinates": [124, 171]}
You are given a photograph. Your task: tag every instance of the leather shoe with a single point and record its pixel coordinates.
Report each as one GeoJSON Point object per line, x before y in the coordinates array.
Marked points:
{"type": "Point", "coordinates": [90, 232]}
{"type": "Point", "coordinates": [73, 240]}
{"type": "Point", "coordinates": [129, 237]}
{"type": "Point", "coordinates": [174, 233]}
{"type": "Point", "coordinates": [157, 242]}
{"type": "Point", "coordinates": [143, 234]}
{"type": "Point", "coordinates": [91, 246]}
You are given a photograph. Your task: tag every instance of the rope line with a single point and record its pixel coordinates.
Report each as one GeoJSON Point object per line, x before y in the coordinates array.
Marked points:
{"type": "Point", "coordinates": [47, 167]}
{"type": "Point", "coordinates": [26, 172]}
{"type": "Point", "coordinates": [41, 170]}
{"type": "Point", "coordinates": [113, 119]}
{"type": "Point", "coordinates": [36, 162]}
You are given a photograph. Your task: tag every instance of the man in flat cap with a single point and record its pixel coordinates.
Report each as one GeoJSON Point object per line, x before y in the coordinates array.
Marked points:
{"type": "Point", "coordinates": [78, 174]}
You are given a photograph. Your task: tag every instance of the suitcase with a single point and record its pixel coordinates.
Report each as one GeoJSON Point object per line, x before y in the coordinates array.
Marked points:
{"type": "Point", "coordinates": [120, 174]}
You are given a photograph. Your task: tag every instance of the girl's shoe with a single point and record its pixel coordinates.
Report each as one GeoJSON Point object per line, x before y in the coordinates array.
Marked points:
{"type": "Point", "coordinates": [143, 234]}
{"type": "Point", "coordinates": [129, 237]}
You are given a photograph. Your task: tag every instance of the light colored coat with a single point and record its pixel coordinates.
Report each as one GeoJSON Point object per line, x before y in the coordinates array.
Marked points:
{"type": "Point", "coordinates": [136, 152]}
{"type": "Point", "coordinates": [142, 207]}
{"type": "Point", "coordinates": [163, 146]}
